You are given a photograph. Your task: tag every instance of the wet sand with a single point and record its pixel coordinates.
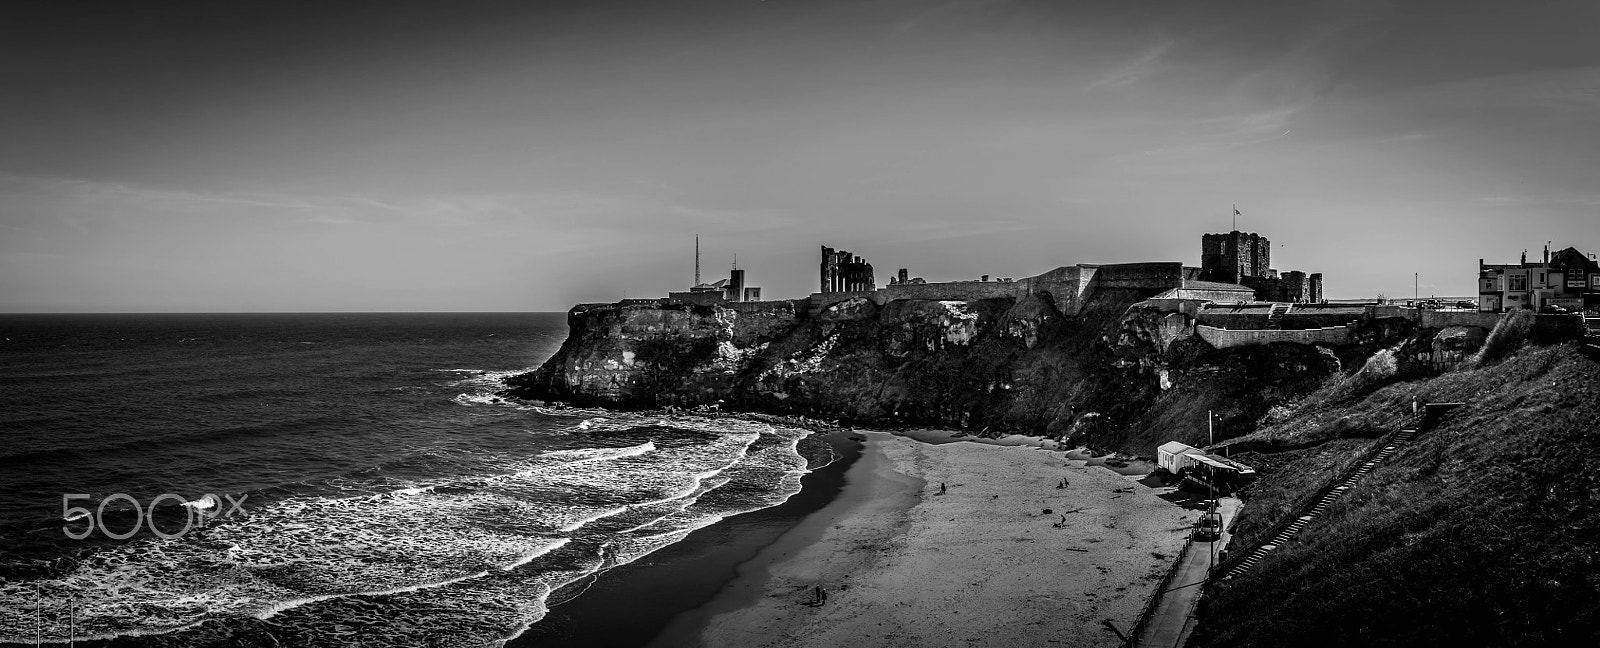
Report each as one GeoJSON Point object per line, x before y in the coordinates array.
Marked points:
{"type": "Point", "coordinates": [981, 565]}
{"type": "Point", "coordinates": [631, 604]}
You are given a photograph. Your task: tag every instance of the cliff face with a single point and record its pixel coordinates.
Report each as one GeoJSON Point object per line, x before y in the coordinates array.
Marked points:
{"type": "Point", "coordinates": [1109, 375]}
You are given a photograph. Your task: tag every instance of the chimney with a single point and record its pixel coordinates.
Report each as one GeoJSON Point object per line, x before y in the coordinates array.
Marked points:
{"type": "Point", "coordinates": [1547, 253]}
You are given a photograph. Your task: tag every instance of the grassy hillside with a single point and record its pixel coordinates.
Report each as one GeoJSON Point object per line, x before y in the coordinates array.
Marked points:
{"type": "Point", "coordinates": [1485, 530]}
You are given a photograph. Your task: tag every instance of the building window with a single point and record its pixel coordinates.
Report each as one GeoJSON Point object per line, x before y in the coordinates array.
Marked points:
{"type": "Point", "coordinates": [1519, 282]}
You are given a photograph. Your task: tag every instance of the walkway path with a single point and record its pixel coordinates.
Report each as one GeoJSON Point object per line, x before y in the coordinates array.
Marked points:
{"type": "Point", "coordinates": [1170, 624]}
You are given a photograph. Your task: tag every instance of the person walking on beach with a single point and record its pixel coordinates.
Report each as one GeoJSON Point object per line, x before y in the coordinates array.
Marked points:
{"type": "Point", "coordinates": [819, 596]}
{"type": "Point", "coordinates": [941, 488]}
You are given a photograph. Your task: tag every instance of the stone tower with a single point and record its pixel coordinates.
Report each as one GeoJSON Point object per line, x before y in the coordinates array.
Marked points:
{"type": "Point", "coordinates": [1231, 257]}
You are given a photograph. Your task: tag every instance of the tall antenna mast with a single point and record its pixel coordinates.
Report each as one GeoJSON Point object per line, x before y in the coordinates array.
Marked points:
{"type": "Point", "coordinates": [696, 260]}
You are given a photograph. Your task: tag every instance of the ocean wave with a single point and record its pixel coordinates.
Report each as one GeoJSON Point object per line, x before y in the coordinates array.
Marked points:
{"type": "Point", "coordinates": [492, 378]}
{"type": "Point", "coordinates": [572, 412]}
{"type": "Point", "coordinates": [484, 398]}
{"type": "Point", "coordinates": [505, 540]}
{"type": "Point", "coordinates": [578, 455]}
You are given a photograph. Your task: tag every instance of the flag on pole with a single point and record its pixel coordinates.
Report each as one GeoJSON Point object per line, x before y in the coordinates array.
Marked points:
{"type": "Point", "coordinates": [1236, 212]}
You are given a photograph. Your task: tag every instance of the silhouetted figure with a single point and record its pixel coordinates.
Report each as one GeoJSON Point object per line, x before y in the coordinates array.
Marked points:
{"type": "Point", "coordinates": [941, 488]}
{"type": "Point", "coordinates": [819, 596]}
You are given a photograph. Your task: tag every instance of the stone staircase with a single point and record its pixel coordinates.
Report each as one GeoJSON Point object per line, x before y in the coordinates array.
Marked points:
{"type": "Point", "coordinates": [1328, 498]}
{"type": "Point", "coordinates": [1275, 315]}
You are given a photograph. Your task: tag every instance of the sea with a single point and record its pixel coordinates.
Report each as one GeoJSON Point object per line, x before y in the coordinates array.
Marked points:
{"type": "Point", "coordinates": [333, 479]}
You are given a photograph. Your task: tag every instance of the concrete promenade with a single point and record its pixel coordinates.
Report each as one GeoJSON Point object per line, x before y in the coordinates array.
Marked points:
{"type": "Point", "coordinates": [1173, 618]}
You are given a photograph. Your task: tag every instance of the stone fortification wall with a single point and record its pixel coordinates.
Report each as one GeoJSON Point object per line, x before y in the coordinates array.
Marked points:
{"type": "Point", "coordinates": [1226, 338]}
{"type": "Point", "coordinates": [957, 290]}
{"type": "Point", "coordinates": [1300, 316]}
{"type": "Point", "coordinates": [1294, 320]}
{"type": "Point", "coordinates": [1313, 319]}
{"type": "Point", "coordinates": [1068, 286]}
{"type": "Point", "coordinates": [819, 302]}
{"type": "Point", "coordinates": [1154, 276]}
{"type": "Point", "coordinates": [1188, 307]}
{"type": "Point", "coordinates": [1236, 321]}
{"type": "Point", "coordinates": [1382, 311]}
{"type": "Point", "coordinates": [1443, 319]}
{"type": "Point", "coordinates": [707, 297]}
{"type": "Point", "coordinates": [1219, 296]}
{"type": "Point", "coordinates": [772, 305]}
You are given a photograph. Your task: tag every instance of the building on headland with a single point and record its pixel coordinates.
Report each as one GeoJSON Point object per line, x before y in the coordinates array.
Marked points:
{"type": "Point", "coordinates": [845, 272]}
{"type": "Point", "coordinates": [1568, 279]}
{"type": "Point", "coordinates": [732, 289]}
{"type": "Point", "coordinates": [1235, 271]}
{"type": "Point", "coordinates": [1245, 258]}
{"type": "Point", "coordinates": [903, 277]}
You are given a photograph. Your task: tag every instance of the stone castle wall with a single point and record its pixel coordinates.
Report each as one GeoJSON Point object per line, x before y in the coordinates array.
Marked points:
{"type": "Point", "coordinates": [1441, 319]}
{"type": "Point", "coordinates": [1294, 320]}
{"type": "Point", "coordinates": [1228, 338]}
{"type": "Point", "coordinates": [957, 290]}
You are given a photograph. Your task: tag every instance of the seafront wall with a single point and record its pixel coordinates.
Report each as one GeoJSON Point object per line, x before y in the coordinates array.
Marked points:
{"type": "Point", "coordinates": [1229, 338]}
{"type": "Point", "coordinates": [1439, 319]}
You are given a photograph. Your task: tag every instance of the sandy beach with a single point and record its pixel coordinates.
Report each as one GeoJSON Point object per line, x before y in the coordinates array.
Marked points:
{"type": "Point", "coordinates": [981, 565]}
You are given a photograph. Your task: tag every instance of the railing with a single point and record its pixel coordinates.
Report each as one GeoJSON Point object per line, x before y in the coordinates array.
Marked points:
{"type": "Point", "coordinates": [1237, 557]}
{"type": "Point", "coordinates": [1161, 589]}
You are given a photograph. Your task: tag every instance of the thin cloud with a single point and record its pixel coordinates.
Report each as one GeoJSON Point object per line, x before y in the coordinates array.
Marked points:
{"type": "Point", "coordinates": [1132, 72]}
{"type": "Point", "coordinates": [926, 13]}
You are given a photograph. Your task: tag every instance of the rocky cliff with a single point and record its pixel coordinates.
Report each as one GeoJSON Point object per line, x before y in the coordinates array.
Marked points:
{"type": "Point", "coordinates": [1115, 374]}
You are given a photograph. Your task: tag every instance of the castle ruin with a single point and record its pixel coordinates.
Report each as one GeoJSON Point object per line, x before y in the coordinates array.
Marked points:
{"type": "Point", "coordinates": [845, 272]}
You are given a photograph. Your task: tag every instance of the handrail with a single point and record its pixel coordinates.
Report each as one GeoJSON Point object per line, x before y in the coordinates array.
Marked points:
{"type": "Point", "coordinates": [1155, 599]}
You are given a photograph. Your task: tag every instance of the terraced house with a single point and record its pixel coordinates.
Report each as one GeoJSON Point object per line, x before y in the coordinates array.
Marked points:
{"type": "Point", "coordinates": [1568, 279]}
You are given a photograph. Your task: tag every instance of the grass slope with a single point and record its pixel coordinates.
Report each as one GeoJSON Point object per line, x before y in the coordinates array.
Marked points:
{"type": "Point", "coordinates": [1484, 531]}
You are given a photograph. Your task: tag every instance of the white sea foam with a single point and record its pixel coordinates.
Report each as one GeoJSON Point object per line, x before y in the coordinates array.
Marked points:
{"type": "Point", "coordinates": [463, 550]}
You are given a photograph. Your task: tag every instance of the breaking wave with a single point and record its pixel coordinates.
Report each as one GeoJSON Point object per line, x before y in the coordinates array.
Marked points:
{"type": "Point", "coordinates": [466, 559]}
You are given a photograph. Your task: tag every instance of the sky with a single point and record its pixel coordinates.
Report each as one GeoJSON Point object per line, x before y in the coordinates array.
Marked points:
{"type": "Point", "coordinates": [463, 156]}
